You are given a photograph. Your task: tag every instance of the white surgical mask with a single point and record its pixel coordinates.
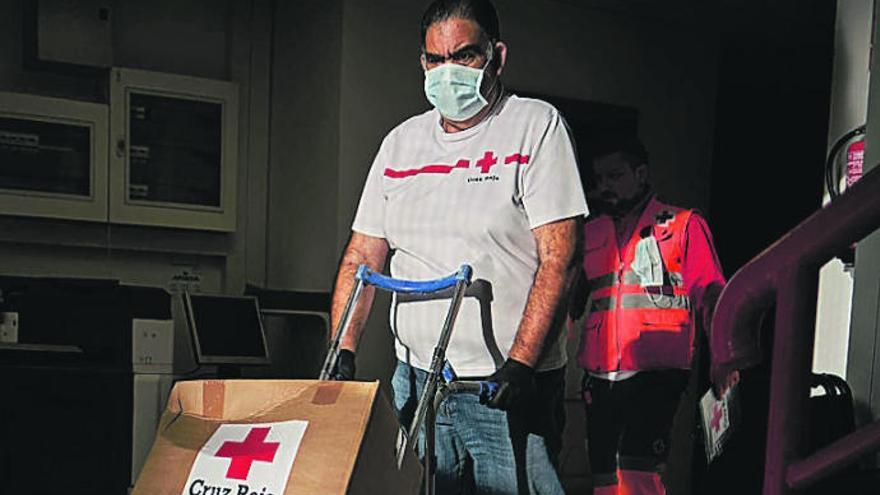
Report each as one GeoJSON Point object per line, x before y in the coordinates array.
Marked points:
{"type": "Point", "coordinates": [454, 90]}
{"type": "Point", "coordinates": [648, 263]}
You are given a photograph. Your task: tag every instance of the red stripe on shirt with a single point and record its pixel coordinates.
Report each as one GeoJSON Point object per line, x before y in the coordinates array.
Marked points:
{"type": "Point", "coordinates": [516, 158]}
{"type": "Point", "coordinates": [427, 169]}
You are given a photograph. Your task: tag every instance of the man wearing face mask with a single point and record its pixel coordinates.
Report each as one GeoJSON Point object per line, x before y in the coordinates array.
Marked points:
{"type": "Point", "coordinates": [650, 278]}
{"type": "Point", "coordinates": [488, 179]}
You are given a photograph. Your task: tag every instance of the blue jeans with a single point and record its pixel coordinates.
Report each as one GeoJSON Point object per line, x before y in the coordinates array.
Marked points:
{"type": "Point", "coordinates": [487, 451]}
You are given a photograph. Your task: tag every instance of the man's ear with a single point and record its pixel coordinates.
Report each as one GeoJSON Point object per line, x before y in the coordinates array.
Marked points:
{"type": "Point", "coordinates": [641, 173]}
{"type": "Point", "coordinates": [501, 54]}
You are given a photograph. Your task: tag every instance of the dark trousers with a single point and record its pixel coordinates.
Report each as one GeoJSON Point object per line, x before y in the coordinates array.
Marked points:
{"type": "Point", "coordinates": [629, 421]}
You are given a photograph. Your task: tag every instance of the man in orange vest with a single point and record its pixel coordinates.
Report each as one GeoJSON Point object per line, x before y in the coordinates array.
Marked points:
{"type": "Point", "coordinates": [650, 278]}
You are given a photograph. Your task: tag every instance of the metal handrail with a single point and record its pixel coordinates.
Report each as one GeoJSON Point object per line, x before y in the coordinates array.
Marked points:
{"type": "Point", "coordinates": [786, 274]}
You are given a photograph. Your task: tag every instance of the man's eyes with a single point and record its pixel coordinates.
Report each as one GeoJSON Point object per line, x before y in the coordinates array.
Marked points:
{"type": "Point", "coordinates": [463, 57]}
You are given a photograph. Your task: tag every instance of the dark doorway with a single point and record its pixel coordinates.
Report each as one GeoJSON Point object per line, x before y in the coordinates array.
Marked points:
{"type": "Point", "coordinates": [775, 65]}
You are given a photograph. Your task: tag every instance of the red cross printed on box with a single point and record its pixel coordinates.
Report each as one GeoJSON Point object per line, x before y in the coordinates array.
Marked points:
{"type": "Point", "coordinates": [243, 454]}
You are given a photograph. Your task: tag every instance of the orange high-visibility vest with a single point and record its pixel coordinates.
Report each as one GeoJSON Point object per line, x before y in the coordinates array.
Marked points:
{"type": "Point", "coordinates": [630, 327]}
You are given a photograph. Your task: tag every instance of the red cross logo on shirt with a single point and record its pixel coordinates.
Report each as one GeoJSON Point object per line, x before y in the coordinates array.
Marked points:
{"type": "Point", "coordinates": [663, 218]}
{"type": "Point", "coordinates": [243, 454]}
{"type": "Point", "coordinates": [486, 163]}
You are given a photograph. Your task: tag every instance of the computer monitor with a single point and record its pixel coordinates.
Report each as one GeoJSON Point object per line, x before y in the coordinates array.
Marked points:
{"type": "Point", "coordinates": [297, 325]}
{"type": "Point", "coordinates": [226, 329]}
{"type": "Point", "coordinates": [298, 340]}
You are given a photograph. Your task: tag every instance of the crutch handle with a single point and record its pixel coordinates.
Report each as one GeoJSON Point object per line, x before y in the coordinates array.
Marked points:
{"type": "Point", "coordinates": [412, 286]}
{"type": "Point", "coordinates": [485, 389]}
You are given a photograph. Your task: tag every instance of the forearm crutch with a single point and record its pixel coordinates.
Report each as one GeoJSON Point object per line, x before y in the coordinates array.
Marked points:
{"type": "Point", "coordinates": [434, 390]}
{"type": "Point", "coordinates": [458, 282]}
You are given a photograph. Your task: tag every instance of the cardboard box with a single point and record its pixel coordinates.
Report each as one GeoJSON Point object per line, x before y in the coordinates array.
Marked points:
{"type": "Point", "coordinates": [274, 437]}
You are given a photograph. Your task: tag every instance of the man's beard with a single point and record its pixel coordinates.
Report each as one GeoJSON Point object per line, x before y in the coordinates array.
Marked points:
{"type": "Point", "coordinates": [622, 206]}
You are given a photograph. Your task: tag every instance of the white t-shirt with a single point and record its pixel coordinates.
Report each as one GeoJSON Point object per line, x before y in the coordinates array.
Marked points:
{"type": "Point", "coordinates": [471, 197]}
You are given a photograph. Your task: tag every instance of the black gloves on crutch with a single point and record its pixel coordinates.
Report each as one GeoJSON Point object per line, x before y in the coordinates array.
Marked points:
{"type": "Point", "coordinates": [344, 369]}
{"type": "Point", "coordinates": [516, 386]}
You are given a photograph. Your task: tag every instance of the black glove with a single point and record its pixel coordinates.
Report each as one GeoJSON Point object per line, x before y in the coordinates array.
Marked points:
{"type": "Point", "coordinates": [516, 386]}
{"type": "Point", "coordinates": [344, 369]}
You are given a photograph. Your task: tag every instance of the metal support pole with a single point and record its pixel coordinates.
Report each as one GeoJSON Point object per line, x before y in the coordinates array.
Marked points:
{"type": "Point", "coordinates": [430, 456]}
{"type": "Point", "coordinates": [425, 406]}
{"type": "Point", "coordinates": [333, 352]}
{"type": "Point", "coordinates": [789, 385]}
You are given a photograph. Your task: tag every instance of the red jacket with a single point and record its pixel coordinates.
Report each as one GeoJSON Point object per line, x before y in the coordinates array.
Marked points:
{"type": "Point", "coordinates": [631, 327]}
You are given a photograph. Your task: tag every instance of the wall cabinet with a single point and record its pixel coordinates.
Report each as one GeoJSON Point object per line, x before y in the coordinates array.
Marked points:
{"type": "Point", "coordinates": [53, 157]}
{"type": "Point", "coordinates": [174, 150]}
{"type": "Point", "coordinates": [163, 153]}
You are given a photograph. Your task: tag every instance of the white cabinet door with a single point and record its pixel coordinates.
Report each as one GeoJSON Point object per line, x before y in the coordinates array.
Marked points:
{"type": "Point", "coordinates": [174, 150]}
{"type": "Point", "coordinates": [53, 157]}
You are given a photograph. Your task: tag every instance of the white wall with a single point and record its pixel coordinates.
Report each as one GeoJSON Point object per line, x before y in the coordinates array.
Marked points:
{"type": "Point", "coordinates": [863, 372]}
{"type": "Point", "coordinates": [849, 106]}
{"type": "Point", "coordinates": [305, 145]}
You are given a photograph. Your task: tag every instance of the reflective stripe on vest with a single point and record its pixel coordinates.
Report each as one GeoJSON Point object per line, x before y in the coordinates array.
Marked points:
{"type": "Point", "coordinates": [607, 280]}
{"type": "Point", "coordinates": [630, 278]}
{"type": "Point", "coordinates": [654, 301]}
{"type": "Point", "coordinates": [641, 301]}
